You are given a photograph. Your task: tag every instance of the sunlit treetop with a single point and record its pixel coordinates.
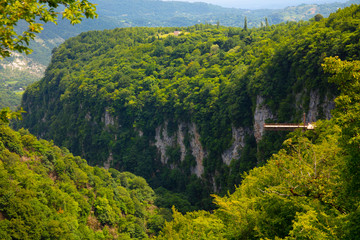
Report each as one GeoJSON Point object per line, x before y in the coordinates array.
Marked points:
{"type": "Point", "coordinates": [35, 13]}
{"type": "Point", "coordinates": [6, 115]}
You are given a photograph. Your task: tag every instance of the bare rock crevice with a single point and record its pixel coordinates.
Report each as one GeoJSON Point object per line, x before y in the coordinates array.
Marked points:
{"type": "Point", "coordinates": [238, 135]}
{"type": "Point", "coordinates": [262, 113]}
{"type": "Point", "coordinates": [163, 141]}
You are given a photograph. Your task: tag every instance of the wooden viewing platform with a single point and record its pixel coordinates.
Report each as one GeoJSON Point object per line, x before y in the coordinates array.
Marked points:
{"type": "Point", "coordinates": [287, 126]}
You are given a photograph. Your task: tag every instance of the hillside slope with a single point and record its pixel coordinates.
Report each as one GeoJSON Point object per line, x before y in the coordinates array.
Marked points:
{"type": "Point", "coordinates": [187, 112]}
{"type": "Point", "coordinates": [48, 193]}
{"type": "Point", "coordinates": [20, 70]}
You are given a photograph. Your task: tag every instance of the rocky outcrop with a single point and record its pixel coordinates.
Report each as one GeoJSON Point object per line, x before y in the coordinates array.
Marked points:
{"type": "Point", "coordinates": [262, 113]}
{"type": "Point", "coordinates": [327, 106]}
{"type": "Point", "coordinates": [109, 161]}
{"type": "Point", "coordinates": [108, 119]}
{"type": "Point", "coordinates": [88, 116]}
{"type": "Point", "coordinates": [164, 141]}
{"type": "Point", "coordinates": [315, 105]}
{"type": "Point", "coordinates": [238, 135]}
{"type": "Point", "coordinates": [312, 114]}
{"type": "Point", "coordinates": [180, 140]}
{"type": "Point", "coordinates": [197, 150]}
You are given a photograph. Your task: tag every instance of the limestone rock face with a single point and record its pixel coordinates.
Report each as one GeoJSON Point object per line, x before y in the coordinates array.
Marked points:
{"type": "Point", "coordinates": [238, 135]}
{"type": "Point", "coordinates": [197, 150]}
{"type": "Point", "coordinates": [109, 161]}
{"type": "Point", "coordinates": [108, 119]}
{"type": "Point", "coordinates": [315, 105]}
{"type": "Point", "coordinates": [163, 141]}
{"type": "Point", "coordinates": [262, 113]}
{"type": "Point", "coordinates": [180, 140]}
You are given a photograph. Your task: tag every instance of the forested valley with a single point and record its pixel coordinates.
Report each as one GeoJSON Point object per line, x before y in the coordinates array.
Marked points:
{"type": "Point", "coordinates": [20, 70]}
{"type": "Point", "coordinates": [184, 109]}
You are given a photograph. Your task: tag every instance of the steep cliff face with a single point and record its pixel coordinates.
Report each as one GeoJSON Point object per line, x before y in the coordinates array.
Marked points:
{"type": "Point", "coordinates": [197, 150]}
{"type": "Point", "coordinates": [234, 152]}
{"type": "Point", "coordinates": [186, 138]}
{"type": "Point", "coordinates": [163, 141]}
{"type": "Point", "coordinates": [109, 161]}
{"type": "Point", "coordinates": [318, 105]}
{"type": "Point", "coordinates": [108, 119]}
{"type": "Point", "coordinates": [262, 113]}
{"type": "Point", "coordinates": [318, 108]}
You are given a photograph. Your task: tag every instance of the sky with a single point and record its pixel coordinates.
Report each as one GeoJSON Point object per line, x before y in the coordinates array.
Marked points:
{"type": "Point", "coordinates": [258, 4]}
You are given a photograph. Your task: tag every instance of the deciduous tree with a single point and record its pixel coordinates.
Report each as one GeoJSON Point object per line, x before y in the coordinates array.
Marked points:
{"type": "Point", "coordinates": [35, 13]}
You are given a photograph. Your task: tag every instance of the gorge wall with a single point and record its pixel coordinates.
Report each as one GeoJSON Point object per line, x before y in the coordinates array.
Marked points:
{"type": "Point", "coordinates": [163, 140]}
{"type": "Point", "coordinates": [186, 112]}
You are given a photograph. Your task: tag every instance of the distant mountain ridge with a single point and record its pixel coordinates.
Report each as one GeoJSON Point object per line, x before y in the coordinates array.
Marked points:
{"type": "Point", "coordinates": [151, 13]}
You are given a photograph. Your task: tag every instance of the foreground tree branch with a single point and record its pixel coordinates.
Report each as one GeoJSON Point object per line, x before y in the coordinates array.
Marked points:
{"type": "Point", "coordinates": [35, 13]}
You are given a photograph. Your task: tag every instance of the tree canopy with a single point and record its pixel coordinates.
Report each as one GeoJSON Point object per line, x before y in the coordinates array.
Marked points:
{"type": "Point", "coordinates": [308, 190]}
{"type": "Point", "coordinates": [48, 193]}
{"type": "Point", "coordinates": [106, 92]}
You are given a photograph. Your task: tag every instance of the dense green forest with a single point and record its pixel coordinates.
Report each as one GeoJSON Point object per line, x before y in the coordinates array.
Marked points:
{"type": "Point", "coordinates": [171, 105]}
{"type": "Point", "coordinates": [8, 98]}
{"type": "Point", "coordinates": [48, 193]}
{"type": "Point", "coordinates": [308, 190]}
{"type": "Point", "coordinates": [166, 107]}
{"type": "Point", "coordinates": [131, 13]}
